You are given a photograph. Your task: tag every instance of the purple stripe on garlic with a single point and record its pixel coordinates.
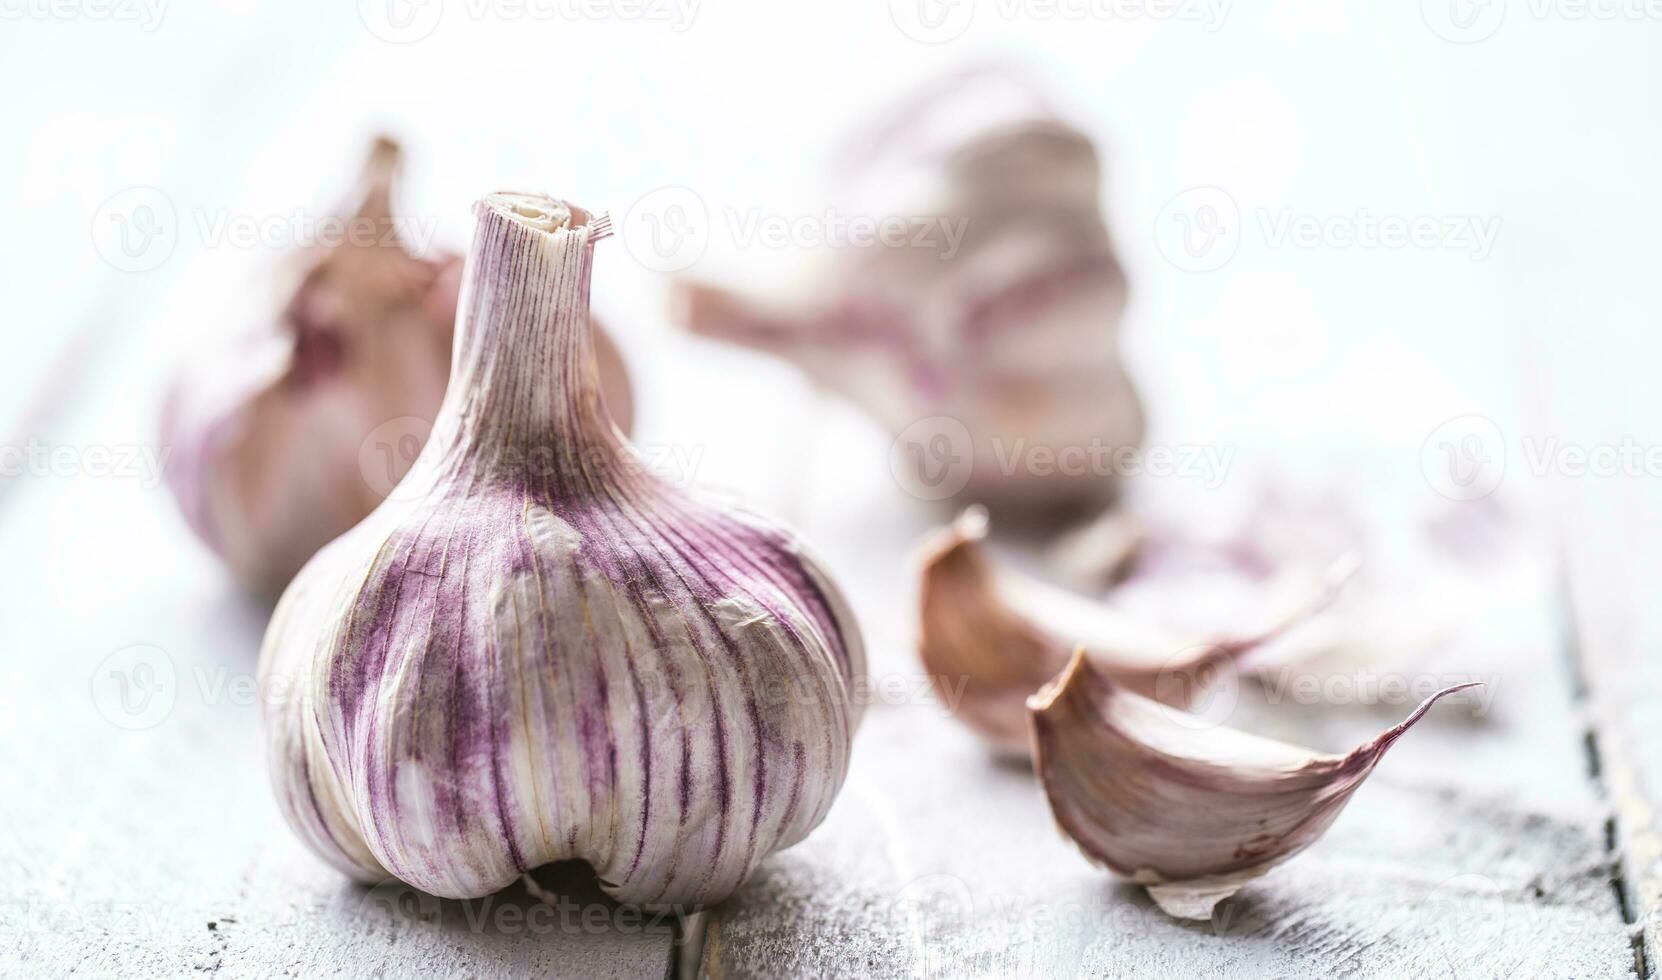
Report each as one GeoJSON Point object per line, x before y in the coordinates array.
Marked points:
{"type": "Point", "coordinates": [538, 650]}
{"type": "Point", "coordinates": [1189, 809]}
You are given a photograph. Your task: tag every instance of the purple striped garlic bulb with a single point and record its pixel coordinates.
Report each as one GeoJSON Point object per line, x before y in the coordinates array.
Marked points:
{"type": "Point", "coordinates": [537, 650]}
{"type": "Point", "coordinates": [995, 321]}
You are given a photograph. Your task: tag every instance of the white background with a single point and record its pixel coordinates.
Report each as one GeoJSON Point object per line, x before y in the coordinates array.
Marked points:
{"type": "Point", "coordinates": [1546, 124]}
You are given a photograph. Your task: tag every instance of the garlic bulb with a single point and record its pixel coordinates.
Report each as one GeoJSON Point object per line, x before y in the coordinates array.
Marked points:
{"type": "Point", "coordinates": [1191, 811]}
{"type": "Point", "coordinates": [1002, 634]}
{"type": "Point", "coordinates": [1012, 332]}
{"type": "Point", "coordinates": [273, 441]}
{"type": "Point", "coordinates": [537, 650]}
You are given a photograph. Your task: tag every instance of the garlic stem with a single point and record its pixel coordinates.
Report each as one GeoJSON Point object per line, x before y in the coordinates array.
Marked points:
{"type": "Point", "coordinates": [524, 371]}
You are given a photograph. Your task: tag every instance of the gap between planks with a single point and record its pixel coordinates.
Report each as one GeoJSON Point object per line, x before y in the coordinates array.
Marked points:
{"type": "Point", "coordinates": [1622, 821]}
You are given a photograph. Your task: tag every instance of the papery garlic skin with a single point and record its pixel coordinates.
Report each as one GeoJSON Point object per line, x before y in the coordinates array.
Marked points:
{"type": "Point", "coordinates": [508, 664]}
{"type": "Point", "coordinates": [1190, 809]}
{"type": "Point", "coordinates": [989, 636]}
{"type": "Point", "coordinates": [271, 438]}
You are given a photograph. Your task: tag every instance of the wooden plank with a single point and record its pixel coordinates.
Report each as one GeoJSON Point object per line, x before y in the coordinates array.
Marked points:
{"type": "Point", "coordinates": [1477, 848]}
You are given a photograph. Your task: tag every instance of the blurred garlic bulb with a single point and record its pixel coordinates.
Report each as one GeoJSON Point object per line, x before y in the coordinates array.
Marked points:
{"type": "Point", "coordinates": [538, 650]}
{"type": "Point", "coordinates": [1189, 809]}
{"type": "Point", "coordinates": [999, 309]}
{"type": "Point", "coordinates": [989, 637]}
{"type": "Point", "coordinates": [281, 443]}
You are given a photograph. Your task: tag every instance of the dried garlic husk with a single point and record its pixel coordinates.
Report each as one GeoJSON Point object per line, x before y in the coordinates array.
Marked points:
{"type": "Point", "coordinates": [989, 636]}
{"type": "Point", "coordinates": [538, 650]}
{"type": "Point", "coordinates": [1011, 331]}
{"type": "Point", "coordinates": [270, 440]}
{"type": "Point", "coordinates": [1192, 811]}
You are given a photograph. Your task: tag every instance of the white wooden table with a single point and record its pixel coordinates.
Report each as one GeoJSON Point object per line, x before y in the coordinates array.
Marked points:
{"type": "Point", "coordinates": [139, 837]}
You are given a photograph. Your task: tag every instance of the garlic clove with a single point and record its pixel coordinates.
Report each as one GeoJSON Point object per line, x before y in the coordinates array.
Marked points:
{"type": "Point", "coordinates": [539, 650]}
{"type": "Point", "coordinates": [268, 438]}
{"type": "Point", "coordinates": [1190, 810]}
{"type": "Point", "coordinates": [1010, 328]}
{"type": "Point", "coordinates": [970, 640]}
{"type": "Point", "coordinates": [989, 636]}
